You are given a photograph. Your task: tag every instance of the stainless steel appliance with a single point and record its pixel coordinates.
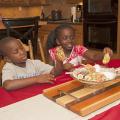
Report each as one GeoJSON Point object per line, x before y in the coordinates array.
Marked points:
{"type": "Point", "coordinates": [100, 23]}
{"type": "Point", "coordinates": [56, 15]}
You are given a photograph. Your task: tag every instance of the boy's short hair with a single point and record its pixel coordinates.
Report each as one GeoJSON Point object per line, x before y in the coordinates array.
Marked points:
{"type": "Point", "coordinates": [3, 42]}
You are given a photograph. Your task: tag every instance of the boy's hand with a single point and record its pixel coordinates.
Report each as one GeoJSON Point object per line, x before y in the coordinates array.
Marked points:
{"type": "Point", "coordinates": [45, 78]}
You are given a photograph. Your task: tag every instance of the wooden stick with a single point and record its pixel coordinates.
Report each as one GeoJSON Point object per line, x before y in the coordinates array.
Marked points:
{"type": "Point", "coordinates": [31, 49]}
{"type": "Point", "coordinates": [41, 50]}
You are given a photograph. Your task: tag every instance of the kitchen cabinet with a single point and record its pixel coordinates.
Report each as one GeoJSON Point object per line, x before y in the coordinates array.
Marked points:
{"type": "Point", "coordinates": [14, 3]}
{"type": "Point", "coordinates": [46, 29]}
{"type": "Point", "coordinates": [118, 31]}
{"type": "Point", "coordinates": [74, 1]}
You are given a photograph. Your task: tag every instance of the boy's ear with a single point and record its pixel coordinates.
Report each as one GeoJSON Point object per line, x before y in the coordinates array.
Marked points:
{"type": "Point", "coordinates": [7, 59]}
{"type": "Point", "coordinates": [57, 41]}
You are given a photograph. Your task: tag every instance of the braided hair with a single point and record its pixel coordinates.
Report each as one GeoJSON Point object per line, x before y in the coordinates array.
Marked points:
{"type": "Point", "coordinates": [51, 40]}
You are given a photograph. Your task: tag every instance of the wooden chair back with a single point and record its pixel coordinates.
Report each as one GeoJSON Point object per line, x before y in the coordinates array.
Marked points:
{"type": "Point", "coordinates": [2, 62]}
{"type": "Point", "coordinates": [25, 29]}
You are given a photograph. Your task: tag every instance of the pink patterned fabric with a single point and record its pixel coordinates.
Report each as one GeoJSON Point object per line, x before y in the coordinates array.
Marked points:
{"type": "Point", "coordinates": [77, 50]}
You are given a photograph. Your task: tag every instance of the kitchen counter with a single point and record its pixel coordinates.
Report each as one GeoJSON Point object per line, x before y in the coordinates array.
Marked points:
{"type": "Point", "coordinates": [64, 21]}
{"type": "Point", "coordinates": [2, 27]}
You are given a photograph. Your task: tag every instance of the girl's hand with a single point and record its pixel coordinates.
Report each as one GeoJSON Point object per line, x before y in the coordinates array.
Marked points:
{"type": "Point", "coordinates": [45, 78]}
{"type": "Point", "coordinates": [108, 50]}
{"type": "Point", "coordinates": [68, 67]}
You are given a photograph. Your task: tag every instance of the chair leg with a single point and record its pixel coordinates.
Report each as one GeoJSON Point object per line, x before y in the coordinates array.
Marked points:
{"type": "Point", "coordinates": [41, 50]}
{"type": "Point", "coordinates": [30, 49]}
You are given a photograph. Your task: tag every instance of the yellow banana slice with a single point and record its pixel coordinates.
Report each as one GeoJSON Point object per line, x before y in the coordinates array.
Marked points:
{"type": "Point", "coordinates": [106, 58]}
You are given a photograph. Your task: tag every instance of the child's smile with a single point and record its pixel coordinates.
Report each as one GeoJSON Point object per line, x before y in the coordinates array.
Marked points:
{"type": "Point", "coordinates": [66, 39]}
{"type": "Point", "coordinates": [16, 53]}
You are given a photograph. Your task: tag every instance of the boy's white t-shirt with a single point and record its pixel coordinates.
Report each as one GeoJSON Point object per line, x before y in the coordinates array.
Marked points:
{"type": "Point", "coordinates": [33, 68]}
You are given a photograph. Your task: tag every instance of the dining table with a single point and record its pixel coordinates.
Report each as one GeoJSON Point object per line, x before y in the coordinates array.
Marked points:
{"type": "Point", "coordinates": [30, 104]}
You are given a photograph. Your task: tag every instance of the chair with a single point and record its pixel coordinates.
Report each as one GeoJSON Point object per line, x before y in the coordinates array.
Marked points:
{"type": "Point", "coordinates": [1, 66]}
{"type": "Point", "coordinates": [25, 29]}
{"type": "Point", "coordinates": [50, 43]}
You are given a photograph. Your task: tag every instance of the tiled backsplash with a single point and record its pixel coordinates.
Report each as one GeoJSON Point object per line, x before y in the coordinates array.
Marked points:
{"type": "Point", "coordinates": [58, 4]}
{"type": "Point", "coordinates": [36, 10]}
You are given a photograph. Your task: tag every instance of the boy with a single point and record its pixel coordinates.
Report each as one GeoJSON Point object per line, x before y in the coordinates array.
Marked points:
{"type": "Point", "coordinates": [19, 72]}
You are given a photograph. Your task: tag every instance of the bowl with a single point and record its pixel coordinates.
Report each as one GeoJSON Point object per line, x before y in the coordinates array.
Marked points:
{"type": "Point", "coordinates": [109, 75]}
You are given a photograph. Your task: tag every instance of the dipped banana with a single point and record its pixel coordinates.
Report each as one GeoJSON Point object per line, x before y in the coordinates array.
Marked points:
{"type": "Point", "coordinates": [60, 53]}
{"type": "Point", "coordinates": [106, 58]}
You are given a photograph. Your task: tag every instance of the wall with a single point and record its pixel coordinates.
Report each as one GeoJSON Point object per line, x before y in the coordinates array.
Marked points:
{"type": "Point", "coordinates": [58, 4]}
{"type": "Point", "coordinates": [63, 5]}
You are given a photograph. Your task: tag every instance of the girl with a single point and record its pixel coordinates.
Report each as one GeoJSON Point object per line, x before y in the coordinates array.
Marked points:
{"type": "Point", "coordinates": [62, 47]}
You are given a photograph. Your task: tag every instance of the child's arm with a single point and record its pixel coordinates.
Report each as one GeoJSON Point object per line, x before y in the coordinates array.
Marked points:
{"type": "Point", "coordinates": [68, 67]}
{"type": "Point", "coordinates": [97, 56]}
{"type": "Point", "coordinates": [89, 55]}
{"type": "Point", "coordinates": [58, 68]}
{"type": "Point", "coordinates": [61, 66]}
{"type": "Point", "coordinates": [20, 83]}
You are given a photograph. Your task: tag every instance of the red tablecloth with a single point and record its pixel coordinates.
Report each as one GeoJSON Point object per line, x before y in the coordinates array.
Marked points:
{"type": "Point", "coordinates": [111, 114]}
{"type": "Point", "coordinates": [114, 112]}
{"type": "Point", "coordinates": [9, 97]}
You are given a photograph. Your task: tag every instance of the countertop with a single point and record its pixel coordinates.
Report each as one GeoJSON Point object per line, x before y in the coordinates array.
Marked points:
{"type": "Point", "coordinates": [64, 21]}
{"type": "Point", "coordinates": [2, 27]}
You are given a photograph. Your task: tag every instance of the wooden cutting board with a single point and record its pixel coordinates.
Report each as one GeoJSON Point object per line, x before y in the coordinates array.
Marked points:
{"type": "Point", "coordinates": [84, 99]}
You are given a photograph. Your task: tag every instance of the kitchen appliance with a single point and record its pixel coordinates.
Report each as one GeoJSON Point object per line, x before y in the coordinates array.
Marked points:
{"type": "Point", "coordinates": [100, 23]}
{"type": "Point", "coordinates": [56, 15]}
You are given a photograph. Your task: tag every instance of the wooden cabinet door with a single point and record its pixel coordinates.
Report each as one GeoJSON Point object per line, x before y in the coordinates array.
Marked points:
{"type": "Point", "coordinates": [9, 3]}
{"type": "Point", "coordinates": [43, 1]}
{"type": "Point", "coordinates": [5, 2]}
{"type": "Point", "coordinates": [78, 34]}
{"type": "Point", "coordinates": [74, 1]}
{"type": "Point", "coordinates": [37, 2]}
